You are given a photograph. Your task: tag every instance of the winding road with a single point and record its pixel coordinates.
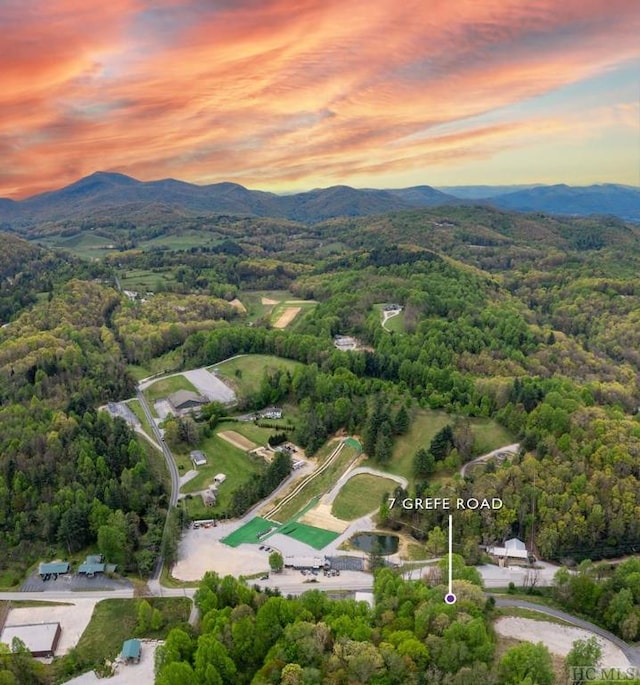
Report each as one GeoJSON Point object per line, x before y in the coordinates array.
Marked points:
{"type": "Point", "coordinates": [632, 653]}
{"type": "Point", "coordinates": [507, 449]}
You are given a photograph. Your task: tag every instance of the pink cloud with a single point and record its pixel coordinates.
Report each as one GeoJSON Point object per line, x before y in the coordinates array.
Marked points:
{"type": "Point", "coordinates": [278, 92]}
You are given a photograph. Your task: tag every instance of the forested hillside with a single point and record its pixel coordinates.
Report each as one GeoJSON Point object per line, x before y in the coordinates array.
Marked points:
{"type": "Point", "coordinates": [529, 320]}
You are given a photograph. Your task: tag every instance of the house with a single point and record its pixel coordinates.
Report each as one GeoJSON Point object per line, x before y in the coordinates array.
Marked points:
{"type": "Point", "coordinates": [52, 568]}
{"type": "Point", "coordinates": [41, 639]}
{"type": "Point", "coordinates": [219, 478]}
{"type": "Point", "coordinates": [210, 496]}
{"type": "Point", "coordinates": [512, 549]}
{"type": "Point", "coordinates": [271, 413]}
{"type": "Point", "coordinates": [198, 458]}
{"type": "Point", "coordinates": [131, 651]}
{"type": "Point", "coordinates": [183, 401]}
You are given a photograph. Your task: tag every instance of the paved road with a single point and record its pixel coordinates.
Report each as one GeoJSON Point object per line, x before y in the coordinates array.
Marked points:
{"type": "Point", "coordinates": [173, 472]}
{"type": "Point", "coordinates": [632, 653]}
{"type": "Point", "coordinates": [511, 449]}
{"type": "Point", "coordinates": [348, 475]}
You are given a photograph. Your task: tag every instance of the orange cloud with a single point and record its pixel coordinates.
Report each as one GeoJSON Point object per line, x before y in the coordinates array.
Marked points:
{"type": "Point", "coordinates": [274, 93]}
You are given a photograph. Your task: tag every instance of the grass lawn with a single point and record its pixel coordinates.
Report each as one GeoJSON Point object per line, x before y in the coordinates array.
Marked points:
{"type": "Point", "coordinates": [318, 486]}
{"type": "Point", "coordinates": [165, 386]}
{"type": "Point", "coordinates": [426, 423]}
{"type": "Point", "coordinates": [135, 407]}
{"type": "Point", "coordinates": [245, 373]}
{"type": "Point", "coordinates": [394, 323]}
{"type": "Point", "coordinates": [85, 245]}
{"type": "Point", "coordinates": [222, 457]}
{"type": "Point", "coordinates": [114, 620]}
{"type": "Point", "coordinates": [361, 495]}
{"type": "Point", "coordinates": [254, 433]}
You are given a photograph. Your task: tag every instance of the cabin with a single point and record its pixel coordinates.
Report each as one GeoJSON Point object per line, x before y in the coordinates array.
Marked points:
{"type": "Point", "coordinates": [219, 478]}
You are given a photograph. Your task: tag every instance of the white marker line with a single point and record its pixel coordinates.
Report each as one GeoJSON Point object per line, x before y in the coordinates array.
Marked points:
{"type": "Point", "coordinates": [450, 554]}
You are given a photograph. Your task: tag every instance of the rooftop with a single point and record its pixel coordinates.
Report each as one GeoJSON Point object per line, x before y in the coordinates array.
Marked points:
{"type": "Point", "coordinates": [131, 649]}
{"type": "Point", "coordinates": [37, 637]}
{"type": "Point", "coordinates": [181, 397]}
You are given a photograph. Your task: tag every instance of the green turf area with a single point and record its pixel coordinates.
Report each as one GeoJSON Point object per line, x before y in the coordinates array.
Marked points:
{"type": "Point", "coordinates": [361, 495]}
{"type": "Point", "coordinates": [222, 457]}
{"type": "Point", "coordinates": [245, 373]}
{"type": "Point", "coordinates": [165, 386]}
{"type": "Point", "coordinates": [309, 535]}
{"type": "Point", "coordinates": [182, 241]}
{"type": "Point", "coordinates": [248, 533]}
{"type": "Point", "coordinates": [114, 620]}
{"type": "Point", "coordinates": [426, 423]}
{"type": "Point", "coordinates": [319, 485]}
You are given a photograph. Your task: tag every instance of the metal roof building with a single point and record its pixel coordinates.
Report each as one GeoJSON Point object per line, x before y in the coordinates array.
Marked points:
{"type": "Point", "coordinates": [131, 650]}
{"type": "Point", "coordinates": [53, 567]}
{"type": "Point", "coordinates": [41, 639]}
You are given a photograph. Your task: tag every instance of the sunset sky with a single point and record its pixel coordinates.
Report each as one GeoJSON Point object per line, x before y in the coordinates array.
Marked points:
{"type": "Point", "coordinates": [287, 96]}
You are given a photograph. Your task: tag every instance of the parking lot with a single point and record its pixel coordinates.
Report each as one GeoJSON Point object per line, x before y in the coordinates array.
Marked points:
{"type": "Point", "coordinates": [73, 582]}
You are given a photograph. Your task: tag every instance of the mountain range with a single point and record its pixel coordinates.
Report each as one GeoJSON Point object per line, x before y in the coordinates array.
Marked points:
{"type": "Point", "coordinates": [113, 192]}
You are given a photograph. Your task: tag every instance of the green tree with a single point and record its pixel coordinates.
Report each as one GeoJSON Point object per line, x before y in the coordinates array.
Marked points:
{"type": "Point", "coordinates": [436, 541]}
{"type": "Point", "coordinates": [276, 562]}
{"type": "Point", "coordinates": [587, 653]}
{"type": "Point", "coordinates": [145, 612]}
{"type": "Point", "coordinates": [526, 663]}
{"type": "Point", "coordinates": [112, 543]}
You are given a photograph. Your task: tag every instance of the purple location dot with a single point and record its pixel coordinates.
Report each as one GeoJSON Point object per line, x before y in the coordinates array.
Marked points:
{"type": "Point", "coordinates": [450, 598]}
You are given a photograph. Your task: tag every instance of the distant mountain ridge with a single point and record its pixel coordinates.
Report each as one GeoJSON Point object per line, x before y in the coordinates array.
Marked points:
{"type": "Point", "coordinates": [118, 193]}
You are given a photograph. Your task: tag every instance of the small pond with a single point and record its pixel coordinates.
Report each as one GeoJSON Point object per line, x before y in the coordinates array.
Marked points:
{"type": "Point", "coordinates": [367, 542]}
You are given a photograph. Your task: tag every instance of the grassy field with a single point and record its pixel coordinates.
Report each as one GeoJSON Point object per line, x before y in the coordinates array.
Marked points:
{"type": "Point", "coordinates": [245, 373]}
{"type": "Point", "coordinates": [279, 309]}
{"type": "Point", "coordinates": [85, 245]}
{"type": "Point", "coordinates": [426, 423]}
{"type": "Point", "coordinates": [319, 485]}
{"type": "Point", "coordinates": [395, 323]}
{"type": "Point", "coordinates": [361, 495]}
{"type": "Point", "coordinates": [166, 363]}
{"type": "Point", "coordinates": [222, 457]}
{"type": "Point", "coordinates": [252, 300]}
{"type": "Point", "coordinates": [145, 280]}
{"type": "Point", "coordinates": [165, 386]}
{"type": "Point", "coordinates": [254, 433]}
{"type": "Point", "coordinates": [114, 620]}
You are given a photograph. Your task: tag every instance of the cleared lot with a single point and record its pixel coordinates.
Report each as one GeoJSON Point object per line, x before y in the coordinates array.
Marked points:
{"type": "Point", "coordinates": [557, 638]}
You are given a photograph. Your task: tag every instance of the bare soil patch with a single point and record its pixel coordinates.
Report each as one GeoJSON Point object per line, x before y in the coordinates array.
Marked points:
{"type": "Point", "coordinates": [269, 301]}
{"type": "Point", "coordinates": [237, 440]}
{"type": "Point", "coordinates": [238, 305]}
{"type": "Point", "coordinates": [321, 517]}
{"type": "Point", "coordinates": [287, 316]}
